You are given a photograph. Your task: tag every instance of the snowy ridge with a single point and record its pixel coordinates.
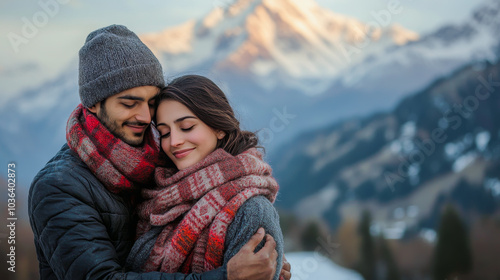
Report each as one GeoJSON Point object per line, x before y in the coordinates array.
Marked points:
{"type": "Point", "coordinates": [291, 39]}
{"type": "Point", "coordinates": [416, 64]}
{"type": "Point", "coordinates": [393, 164]}
{"type": "Point", "coordinates": [175, 40]}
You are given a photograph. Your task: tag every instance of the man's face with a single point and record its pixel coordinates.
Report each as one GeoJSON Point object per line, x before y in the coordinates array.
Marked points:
{"type": "Point", "coordinates": [127, 114]}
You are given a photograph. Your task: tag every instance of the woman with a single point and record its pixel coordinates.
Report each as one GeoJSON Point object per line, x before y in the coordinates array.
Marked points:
{"type": "Point", "coordinates": [215, 190]}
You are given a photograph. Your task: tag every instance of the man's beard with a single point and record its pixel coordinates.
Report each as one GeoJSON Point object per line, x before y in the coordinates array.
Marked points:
{"type": "Point", "coordinates": [114, 128]}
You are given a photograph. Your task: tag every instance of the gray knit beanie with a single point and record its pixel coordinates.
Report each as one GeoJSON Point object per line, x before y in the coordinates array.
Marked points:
{"type": "Point", "coordinates": [114, 59]}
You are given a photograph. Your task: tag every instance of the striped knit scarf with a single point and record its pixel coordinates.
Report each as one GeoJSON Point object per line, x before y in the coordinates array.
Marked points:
{"type": "Point", "coordinates": [196, 206]}
{"type": "Point", "coordinates": [119, 166]}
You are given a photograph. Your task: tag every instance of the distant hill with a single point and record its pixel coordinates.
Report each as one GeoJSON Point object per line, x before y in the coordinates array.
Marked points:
{"type": "Point", "coordinates": [440, 144]}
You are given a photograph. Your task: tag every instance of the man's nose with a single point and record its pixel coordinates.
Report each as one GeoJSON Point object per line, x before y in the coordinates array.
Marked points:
{"type": "Point", "coordinates": [144, 113]}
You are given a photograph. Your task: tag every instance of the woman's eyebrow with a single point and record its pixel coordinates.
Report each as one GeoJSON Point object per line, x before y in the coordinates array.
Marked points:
{"type": "Point", "coordinates": [183, 118]}
{"type": "Point", "coordinates": [177, 120]}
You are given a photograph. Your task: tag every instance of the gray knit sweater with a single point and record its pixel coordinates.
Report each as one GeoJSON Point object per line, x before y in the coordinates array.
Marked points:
{"type": "Point", "coordinates": [254, 213]}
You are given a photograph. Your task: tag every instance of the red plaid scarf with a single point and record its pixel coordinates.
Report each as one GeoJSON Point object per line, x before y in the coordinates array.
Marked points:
{"type": "Point", "coordinates": [119, 166]}
{"type": "Point", "coordinates": [205, 197]}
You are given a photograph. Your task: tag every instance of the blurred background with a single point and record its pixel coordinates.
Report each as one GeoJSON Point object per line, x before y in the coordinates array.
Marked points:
{"type": "Point", "coordinates": [379, 118]}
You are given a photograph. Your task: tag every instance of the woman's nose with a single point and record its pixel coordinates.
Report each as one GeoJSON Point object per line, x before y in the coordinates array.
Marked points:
{"type": "Point", "coordinates": [176, 138]}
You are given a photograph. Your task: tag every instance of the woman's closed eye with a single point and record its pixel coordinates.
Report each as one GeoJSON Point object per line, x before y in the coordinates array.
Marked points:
{"type": "Point", "coordinates": [167, 134]}
{"type": "Point", "coordinates": [188, 128]}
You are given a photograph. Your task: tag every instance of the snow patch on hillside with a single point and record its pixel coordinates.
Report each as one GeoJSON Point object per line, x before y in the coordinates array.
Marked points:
{"type": "Point", "coordinates": [313, 266]}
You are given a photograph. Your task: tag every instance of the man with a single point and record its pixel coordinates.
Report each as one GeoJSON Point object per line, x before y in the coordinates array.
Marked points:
{"type": "Point", "coordinates": [81, 203]}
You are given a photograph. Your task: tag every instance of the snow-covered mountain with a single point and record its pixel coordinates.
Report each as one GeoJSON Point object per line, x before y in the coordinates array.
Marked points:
{"type": "Point", "coordinates": [388, 75]}
{"type": "Point", "coordinates": [296, 42]}
{"type": "Point", "coordinates": [293, 55]}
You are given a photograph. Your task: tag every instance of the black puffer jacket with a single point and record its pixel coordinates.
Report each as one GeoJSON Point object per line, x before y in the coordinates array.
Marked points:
{"type": "Point", "coordinates": [81, 230]}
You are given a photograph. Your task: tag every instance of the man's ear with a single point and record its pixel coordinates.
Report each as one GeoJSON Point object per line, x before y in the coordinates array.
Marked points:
{"type": "Point", "coordinates": [93, 109]}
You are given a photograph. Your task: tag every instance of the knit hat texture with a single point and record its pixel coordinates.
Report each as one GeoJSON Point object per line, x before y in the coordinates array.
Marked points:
{"type": "Point", "coordinates": [114, 59]}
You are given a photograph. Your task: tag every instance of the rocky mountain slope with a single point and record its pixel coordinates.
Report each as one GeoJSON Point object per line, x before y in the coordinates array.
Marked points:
{"type": "Point", "coordinates": [440, 144]}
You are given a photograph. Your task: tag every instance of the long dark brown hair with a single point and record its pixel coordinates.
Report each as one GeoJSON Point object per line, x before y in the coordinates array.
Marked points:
{"type": "Point", "coordinates": [209, 103]}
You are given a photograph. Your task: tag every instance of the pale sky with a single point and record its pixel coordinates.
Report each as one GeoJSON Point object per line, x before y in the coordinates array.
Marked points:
{"type": "Point", "coordinates": [64, 24]}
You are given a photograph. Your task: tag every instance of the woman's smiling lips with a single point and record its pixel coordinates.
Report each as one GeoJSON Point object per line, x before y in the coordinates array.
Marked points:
{"type": "Point", "coordinates": [182, 153]}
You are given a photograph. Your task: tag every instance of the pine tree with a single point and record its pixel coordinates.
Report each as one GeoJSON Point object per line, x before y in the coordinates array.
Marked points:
{"type": "Point", "coordinates": [452, 254]}
{"type": "Point", "coordinates": [366, 265]}
{"type": "Point", "coordinates": [310, 235]}
{"type": "Point", "coordinates": [392, 271]}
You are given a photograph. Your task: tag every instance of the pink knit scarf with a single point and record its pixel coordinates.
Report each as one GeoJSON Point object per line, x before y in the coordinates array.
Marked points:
{"type": "Point", "coordinates": [196, 206]}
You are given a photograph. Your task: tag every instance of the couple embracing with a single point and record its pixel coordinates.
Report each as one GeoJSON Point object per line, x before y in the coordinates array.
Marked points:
{"type": "Point", "coordinates": [155, 181]}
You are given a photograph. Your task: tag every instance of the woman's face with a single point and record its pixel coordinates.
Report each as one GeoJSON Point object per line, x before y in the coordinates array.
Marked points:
{"type": "Point", "coordinates": [184, 138]}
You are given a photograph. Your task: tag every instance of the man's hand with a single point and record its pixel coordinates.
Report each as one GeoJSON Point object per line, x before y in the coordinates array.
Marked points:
{"type": "Point", "coordinates": [249, 265]}
{"type": "Point", "coordinates": [285, 273]}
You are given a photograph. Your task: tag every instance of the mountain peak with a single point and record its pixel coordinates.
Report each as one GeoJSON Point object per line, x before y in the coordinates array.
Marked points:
{"type": "Point", "coordinates": [240, 6]}
{"type": "Point", "coordinates": [290, 39]}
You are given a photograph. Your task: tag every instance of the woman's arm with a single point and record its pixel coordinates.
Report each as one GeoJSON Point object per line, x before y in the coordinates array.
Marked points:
{"type": "Point", "coordinates": [254, 213]}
